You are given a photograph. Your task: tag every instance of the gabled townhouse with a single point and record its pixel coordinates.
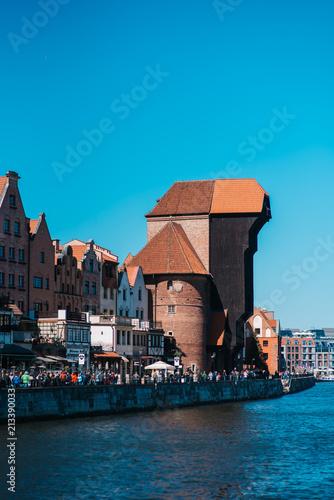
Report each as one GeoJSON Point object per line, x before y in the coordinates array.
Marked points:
{"type": "Point", "coordinates": [262, 327]}
{"type": "Point", "coordinates": [42, 276]}
{"type": "Point", "coordinates": [90, 269]}
{"type": "Point", "coordinates": [68, 280]}
{"type": "Point", "coordinates": [14, 243]}
{"type": "Point", "coordinates": [132, 293]}
{"type": "Point", "coordinates": [108, 263]}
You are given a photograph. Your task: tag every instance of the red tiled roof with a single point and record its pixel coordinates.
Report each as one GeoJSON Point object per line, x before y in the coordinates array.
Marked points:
{"type": "Point", "coordinates": [78, 250]}
{"type": "Point", "coordinates": [237, 196]}
{"type": "Point", "coordinates": [132, 272]}
{"type": "Point", "coordinates": [169, 252]}
{"type": "Point", "coordinates": [33, 223]}
{"type": "Point", "coordinates": [185, 198]}
{"type": "Point", "coordinates": [3, 182]}
{"type": "Point", "coordinates": [220, 196]}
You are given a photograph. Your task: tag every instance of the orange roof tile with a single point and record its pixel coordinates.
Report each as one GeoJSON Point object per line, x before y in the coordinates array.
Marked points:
{"type": "Point", "coordinates": [132, 272]}
{"type": "Point", "coordinates": [33, 223]}
{"type": "Point", "coordinates": [220, 196]}
{"type": "Point", "coordinates": [3, 182]}
{"type": "Point", "coordinates": [185, 198]}
{"type": "Point", "coordinates": [169, 252]}
{"type": "Point", "coordinates": [237, 196]}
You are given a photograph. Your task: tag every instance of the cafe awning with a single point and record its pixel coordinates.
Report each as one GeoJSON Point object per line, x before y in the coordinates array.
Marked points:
{"type": "Point", "coordinates": [107, 355]}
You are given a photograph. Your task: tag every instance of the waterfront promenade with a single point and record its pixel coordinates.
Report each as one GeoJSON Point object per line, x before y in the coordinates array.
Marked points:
{"type": "Point", "coordinates": [74, 401]}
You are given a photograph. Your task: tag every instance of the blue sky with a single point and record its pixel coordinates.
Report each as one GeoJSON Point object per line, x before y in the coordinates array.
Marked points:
{"type": "Point", "coordinates": [177, 90]}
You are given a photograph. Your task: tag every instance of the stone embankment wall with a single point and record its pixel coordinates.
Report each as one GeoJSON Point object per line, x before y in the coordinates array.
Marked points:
{"type": "Point", "coordinates": [298, 384]}
{"type": "Point", "coordinates": [59, 402]}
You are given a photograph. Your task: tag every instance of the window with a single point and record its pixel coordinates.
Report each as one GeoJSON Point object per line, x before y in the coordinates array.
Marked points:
{"type": "Point", "coordinates": [169, 285]}
{"type": "Point", "coordinates": [77, 335]}
{"type": "Point", "coordinates": [72, 289]}
{"type": "Point", "coordinates": [85, 335]}
{"type": "Point", "coordinates": [171, 309]}
{"type": "Point", "coordinates": [21, 281]}
{"type": "Point", "coordinates": [265, 355]}
{"type": "Point", "coordinates": [257, 331]}
{"type": "Point", "coordinates": [94, 288]}
{"type": "Point", "coordinates": [137, 313]}
{"type": "Point", "coordinates": [21, 255]}
{"type": "Point", "coordinates": [141, 314]}
{"type": "Point", "coordinates": [2, 251]}
{"type": "Point", "coordinates": [21, 305]}
{"type": "Point", "coordinates": [12, 200]}
{"type": "Point", "coordinates": [2, 278]}
{"type": "Point", "coordinates": [127, 313]}
{"type": "Point", "coordinates": [91, 265]}
{"type": "Point", "coordinates": [6, 226]}
{"type": "Point", "coordinates": [134, 339]}
{"type": "Point", "coordinates": [86, 308]}
{"type": "Point", "coordinates": [105, 293]}
{"type": "Point", "coordinates": [111, 294]}
{"type": "Point", "coordinates": [121, 312]}
{"type": "Point", "coordinates": [93, 309]}
{"type": "Point", "coordinates": [11, 280]}
{"type": "Point", "coordinates": [69, 335]}
{"type": "Point", "coordinates": [139, 294]}
{"type": "Point", "coordinates": [124, 294]}
{"type": "Point", "coordinates": [16, 228]}
{"type": "Point", "coordinates": [118, 337]}
{"type": "Point", "coordinates": [11, 252]}
{"type": "Point", "coordinates": [111, 312]}
{"type": "Point", "coordinates": [38, 282]}
{"type": "Point", "coordinates": [67, 288]}
{"type": "Point", "coordinates": [265, 343]}
{"type": "Point", "coordinates": [86, 286]}
{"type": "Point", "coordinates": [128, 338]}
{"type": "Point", "coordinates": [42, 257]}
{"type": "Point", "coordinates": [38, 306]}
{"type": "Point", "coordinates": [123, 338]}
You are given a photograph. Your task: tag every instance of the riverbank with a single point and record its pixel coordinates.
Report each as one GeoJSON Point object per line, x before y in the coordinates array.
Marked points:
{"type": "Point", "coordinates": [63, 402]}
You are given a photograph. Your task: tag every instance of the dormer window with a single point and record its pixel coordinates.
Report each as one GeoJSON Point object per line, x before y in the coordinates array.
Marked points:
{"type": "Point", "coordinates": [12, 200]}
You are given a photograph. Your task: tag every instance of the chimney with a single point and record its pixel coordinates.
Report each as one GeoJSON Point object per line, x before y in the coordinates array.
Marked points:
{"type": "Point", "coordinates": [13, 176]}
{"type": "Point", "coordinates": [56, 244]}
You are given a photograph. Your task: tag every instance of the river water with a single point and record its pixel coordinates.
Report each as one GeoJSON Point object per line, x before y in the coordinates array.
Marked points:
{"type": "Point", "coordinates": [279, 449]}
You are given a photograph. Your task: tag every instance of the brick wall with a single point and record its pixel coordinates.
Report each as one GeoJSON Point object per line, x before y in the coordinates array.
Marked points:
{"type": "Point", "coordinates": [42, 266]}
{"type": "Point", "coordinates": [189, 321]}
{"type": "Point", "coordinates": [15, 236]}
{"type": "Point", "coordinates": [195, 227]}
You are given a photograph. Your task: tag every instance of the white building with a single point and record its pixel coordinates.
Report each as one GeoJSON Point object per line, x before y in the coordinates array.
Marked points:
{"type": "Point", "coordinates": [132, 294]}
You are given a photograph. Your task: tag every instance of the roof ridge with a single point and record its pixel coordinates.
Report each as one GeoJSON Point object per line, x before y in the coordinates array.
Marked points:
{"type": "Point", "coordinates": [183, 252]}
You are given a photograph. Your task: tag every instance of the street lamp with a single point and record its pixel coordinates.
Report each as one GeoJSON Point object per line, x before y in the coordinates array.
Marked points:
{"type": "Point", "coordinates": [2, 345]}
{"type": "Point", "coordinates": [140, 353]}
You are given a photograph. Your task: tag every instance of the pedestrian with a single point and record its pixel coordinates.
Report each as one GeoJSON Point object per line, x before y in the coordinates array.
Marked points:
{"type": "Point", "coordinates": [25, 379]}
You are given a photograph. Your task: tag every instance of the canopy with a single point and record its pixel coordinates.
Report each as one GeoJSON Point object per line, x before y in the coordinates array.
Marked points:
{"type": "Point", "coordinates": [160, 365]}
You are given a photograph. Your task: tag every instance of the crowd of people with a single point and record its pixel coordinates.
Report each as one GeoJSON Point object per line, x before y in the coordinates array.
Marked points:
{"type": "Point", "coordinates": [108, 377]}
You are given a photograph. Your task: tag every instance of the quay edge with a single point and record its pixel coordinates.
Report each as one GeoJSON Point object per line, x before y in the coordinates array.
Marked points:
{"type": "Point", "coordinates": [71, 402]}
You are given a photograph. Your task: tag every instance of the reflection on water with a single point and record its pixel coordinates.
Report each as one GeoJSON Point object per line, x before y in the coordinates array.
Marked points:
{"type": "Point", "coordinates": [274, 449]}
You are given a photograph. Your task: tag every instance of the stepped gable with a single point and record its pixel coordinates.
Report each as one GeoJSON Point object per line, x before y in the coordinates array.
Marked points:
{"type": "Point", "coordinates": [220, 196]}
{"type": "Point", "coordinates": [169, 252]}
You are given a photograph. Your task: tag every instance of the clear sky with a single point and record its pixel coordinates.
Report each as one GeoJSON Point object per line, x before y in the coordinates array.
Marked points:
{"type": "Point", "coordinates": [106, 104]}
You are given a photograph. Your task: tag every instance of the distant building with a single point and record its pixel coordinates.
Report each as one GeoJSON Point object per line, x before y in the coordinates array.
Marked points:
{"type": "Point", "coordinates": [299, 353]}
{"type": "Point", "coordinates": [266, 330]}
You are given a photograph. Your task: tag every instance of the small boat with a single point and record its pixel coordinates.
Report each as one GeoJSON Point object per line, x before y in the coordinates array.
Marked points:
{"type": "Point", "coordinates": [327, 378]}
